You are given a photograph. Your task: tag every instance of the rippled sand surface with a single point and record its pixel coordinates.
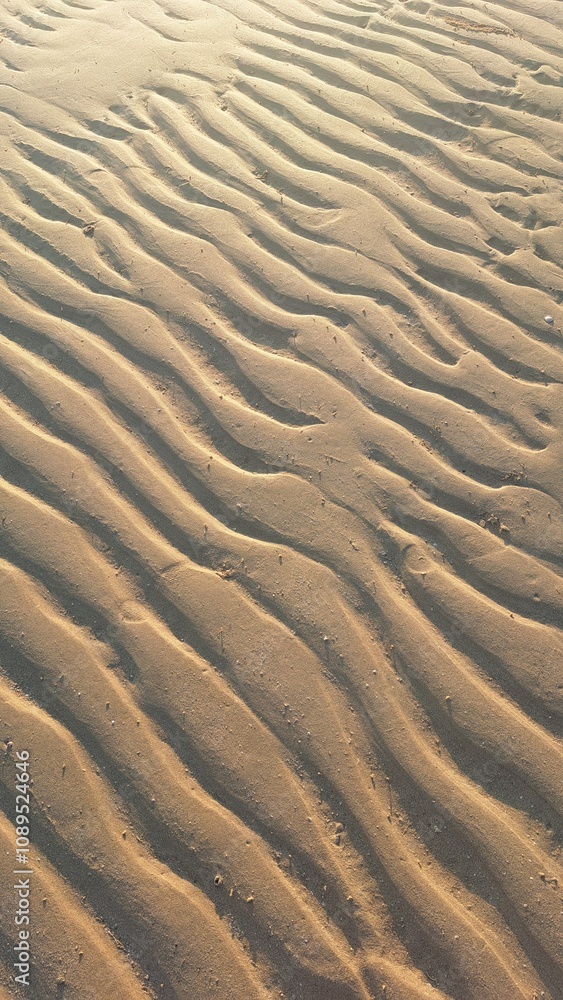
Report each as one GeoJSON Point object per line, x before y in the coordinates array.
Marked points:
{"type": "Point", "coordinates": [281, 496]}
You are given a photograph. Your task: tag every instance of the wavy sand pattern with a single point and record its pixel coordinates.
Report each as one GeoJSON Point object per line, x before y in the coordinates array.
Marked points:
{"type": "Point", "coordinates": [281, 496]}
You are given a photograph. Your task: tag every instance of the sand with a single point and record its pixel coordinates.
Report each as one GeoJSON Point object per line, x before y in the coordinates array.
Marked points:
{"type": "Point", "coordinates": [281, 536]}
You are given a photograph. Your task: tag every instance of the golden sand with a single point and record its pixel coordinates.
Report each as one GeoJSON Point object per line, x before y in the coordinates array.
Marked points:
{"type": "Point", "coordinates": [281, 493]}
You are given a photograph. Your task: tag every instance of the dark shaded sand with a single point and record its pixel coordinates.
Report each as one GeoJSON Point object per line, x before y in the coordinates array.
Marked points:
{"type": "Point", "coordinates": [281, 481]}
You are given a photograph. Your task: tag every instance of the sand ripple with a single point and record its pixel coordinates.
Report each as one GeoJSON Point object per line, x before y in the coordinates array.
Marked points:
{"type": "Point", "coordinates": [280, 484]}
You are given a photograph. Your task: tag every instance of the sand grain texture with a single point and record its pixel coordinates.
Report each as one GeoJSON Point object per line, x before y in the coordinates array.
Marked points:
{"type": "Point", "coordinates": [281, 532]}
